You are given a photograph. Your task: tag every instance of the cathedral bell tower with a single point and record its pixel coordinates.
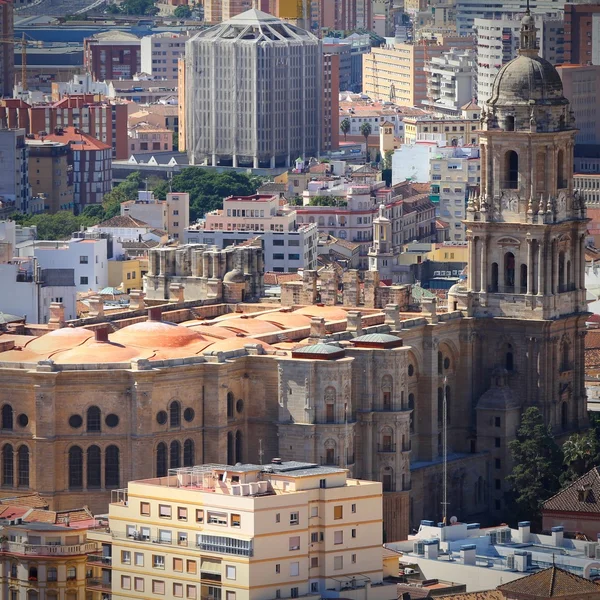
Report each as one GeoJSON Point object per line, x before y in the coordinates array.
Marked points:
{"type": "Point", "coordinates": [381, 256]}
{"type": "Point", "coordinates": [525, 227]}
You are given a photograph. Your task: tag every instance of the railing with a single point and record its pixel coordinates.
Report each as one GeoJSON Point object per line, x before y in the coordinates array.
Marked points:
{"type": "Point", "coordinates": [59, 550]}
{"type": "Point", "coordinates": [330, 462]}
{"type": "Point", "coordinates": [93, 583]}
{"type": "Point", "coordinates": [390, 488]}
{"type": "Point", "coordinates": [386, 447]}
{"type": "Point", "coordinates": [99, 560]}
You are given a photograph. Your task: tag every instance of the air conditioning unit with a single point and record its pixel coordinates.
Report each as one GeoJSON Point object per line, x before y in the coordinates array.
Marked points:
{"type": "Point", "coordinates": [419, 548]}
{"type": "Point", "coordinates": [436, 273]}
{"type": "Point", "coordinates": [510, 561]}
{"type": "Point", "coordinates": [597, 552]}
{"type": "Point", "coordinates": [591, 549]}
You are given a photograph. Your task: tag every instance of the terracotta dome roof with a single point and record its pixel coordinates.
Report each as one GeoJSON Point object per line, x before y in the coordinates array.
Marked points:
{"type": "Point", "coordinates": [527, 80]}
{"type": "Point", "coordinates": [236, 343]}
{"type": "Point", "coordinates": [182, 351]}
{"type": "Point", "coordinates": [155, 335]}
{"type": "Point", "coordinates": [21, 356]}
{"type": "Point", "coordinates": [286, 320]}
{"type": "Point", "coordinates": [249, 326]}
{"type": "Point", "coordinates": [99, 352]}
{"type": "Point", "coordinates": [60, 339]}
{"type": "Point", "coordinates": [204, 329]}
{"type": "Point", "coordinates": [329, 313]}
{"type": "Point", "coordinates": [234, 276]}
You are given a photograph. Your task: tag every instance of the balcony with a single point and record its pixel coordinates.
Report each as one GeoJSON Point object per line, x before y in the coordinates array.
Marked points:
{"type": "Point", "coordinates": [58, 550]}
{"type": "Point", "coordinates": [98, 560]}
{"type": "Point", "coordinates": [386, 447]}
{"type": "Point", "coordinates": [99, 585]}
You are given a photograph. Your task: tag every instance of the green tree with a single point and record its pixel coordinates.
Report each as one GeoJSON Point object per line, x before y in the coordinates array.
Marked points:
{"type": "Point", "coordinates": [581, 452]}
{"type": "Point", "coordinates": [387, 159]}
{"type": "Point", "coordinates": [345, 127]}
{"type": "Point", "coordinates": [58, 226]}
{"type": "Point", "coordinates": [537, 465]}
{"type": "Point", "coordinates": [126, 190]}
{"type": "Point", "coordinates": [139, 7]}
{"type": "Point", "coordinates": [366, 131]}
{"type": "Point", "coordinates": [183, 11]}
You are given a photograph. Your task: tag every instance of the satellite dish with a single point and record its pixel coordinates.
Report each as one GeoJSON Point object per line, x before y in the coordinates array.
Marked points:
{"type": "Point", "coordinates": [453, 520]}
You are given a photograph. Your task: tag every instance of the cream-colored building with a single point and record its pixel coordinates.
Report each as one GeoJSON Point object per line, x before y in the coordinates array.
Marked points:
{"type": "Point", "coordinates": [397, 73]}
{"type": "Point", "coordinates": [245, 532]}
{"type": "Point", "coordinates": [454, 131]}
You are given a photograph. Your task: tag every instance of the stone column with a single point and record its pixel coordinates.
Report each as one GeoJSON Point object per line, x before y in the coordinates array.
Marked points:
{"type": "Point", "coordinates": [206, 265]}
{"type": "Point", "coordinates": [483, 265]}
{"type": "Point", "coordinates": [581, 264]}
{"type": "Point", "coordinates": [368, 451]}
{"type": "Point", "coordinates": [541, 291]}
{"type": "Point", "coordinates": [471, 242]}
{"type": "Point", "coordinates": [555, 270]}
{"type": "Point", "coordinates": [529, 266]}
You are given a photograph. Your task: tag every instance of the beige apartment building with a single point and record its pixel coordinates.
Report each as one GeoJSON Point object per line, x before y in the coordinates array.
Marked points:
{"type": "Point", "coordinates": [244, 532]}
{"type": "Point", "coordinates": [51, 174]}
{"type": "Point", "coordinates": [459, 131]}
{"type": "Point", "coordinates": [397, 73]}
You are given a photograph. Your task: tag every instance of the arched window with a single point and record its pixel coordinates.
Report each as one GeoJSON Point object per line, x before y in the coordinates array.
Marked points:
{"type": "Point", "coordinates": [509, 361]}
{"type": "Point", "coordinates": [540, 168]}
{"type": "Point", "coordinates": [509, 123]}
{"type": "Point", "coordinates": [568, 285]}
{"type": "Point", "coordinates": [32, 594]}
{"type": "Point", "coordinates": [188, 453]}
{"type": "Point", "coordinates": [161, 460]}
{"type": "Point", "coordinates": [564, 415]}
{"type": "Point", "coordinates": [230, 404]}
{"type": "Point", "coordinates": [7, 417]}
{"type": "Point", "coordinates": [329, 397]}
{"type": "Point", "coordinates": [33, 573]}
{"type": "Point", "coordinates": [75, 467]}
{"type": "Point", "coordinates": [565, 363]}
{"type": "Point", "coordinates": [230, 449]}
{"type": "Point", "coordinates": [321, 221]}
{"type": "Point", "coordinates": [14, 569]}
{"type": "Point", "coordinates": [23, 458]}
{"type": "Point", "coordinates": [440, 363]}
{"type": "Point", "coordinates": [561, 272]}
{"type": "Point", "coordinates": [239, 451]}
{"type": "Point", "coordinates": [93, 419]}
{"type": "Point", "coordinates": [329, 458]}
{"type": "Point", "coordinates": [411, 401]}
{"type": "Point", "coordinates": [175, 414]}
{"type": "Point", "coordinates": [523, 279]}
{"type": "Point", "coordinates": [440, 403]}
{"type": "Point", "coordinates": [94, 467]}
{"type": "Point", "coordinates": [494, 286]}
{"type": "Point", "coordinates": [175, 455]}
{"type": "Point", "coordinates": [388, 479]}
{"type": "Point", "coordinates": [511, 170]}
{"type": "Point", "coordinates": [560, 170]}
{"type": "Point", "coordinates": [52, 574]}
{"type": "Point", "coordinates": [387, 386]}
{"type": "Point", "coordinates": [111, 467]}
{"type": "Point", "coordinates": [509, 271]}
{"type": "Point", "coordinates": [8, 467]}
{"type": "Point", "coordinates": [71, 573]}
{"type": "Point", "coordinates": [387, 440]}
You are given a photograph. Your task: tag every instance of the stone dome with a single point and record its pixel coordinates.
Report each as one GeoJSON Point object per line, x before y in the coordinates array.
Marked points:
{"type": "Point", "coordinates": [234, 276]}
{"type": "Point", "coordinates": [155, 335]}
{"type": "Point", "coordinates": [528, 79]}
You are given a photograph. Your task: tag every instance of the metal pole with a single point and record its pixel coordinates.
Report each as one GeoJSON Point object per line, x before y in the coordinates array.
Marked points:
{"type": "Point", "coordinates": [445, 450]}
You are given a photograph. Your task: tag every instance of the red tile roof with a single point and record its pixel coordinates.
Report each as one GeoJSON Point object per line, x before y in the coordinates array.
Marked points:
{"type": "Point", "coordinates": [551, 583]}
{"type": "Point", "coordinates": [583, 495]}
{"type": "Point", "coordinates": [77, 139]}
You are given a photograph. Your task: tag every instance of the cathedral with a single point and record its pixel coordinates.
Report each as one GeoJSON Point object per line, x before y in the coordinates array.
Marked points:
{"type": "Point", "coordinates": [354, 379]}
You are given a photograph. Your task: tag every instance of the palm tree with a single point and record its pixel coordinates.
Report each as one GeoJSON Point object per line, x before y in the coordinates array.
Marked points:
{"type": "Point", "coordinates": [366, 130]}
{"type": "Point", "coordinates": [345, 127]}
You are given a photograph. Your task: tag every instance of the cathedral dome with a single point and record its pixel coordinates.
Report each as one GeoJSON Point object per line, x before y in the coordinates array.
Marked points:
{"type": "Point", "coordinates": [527, 80]}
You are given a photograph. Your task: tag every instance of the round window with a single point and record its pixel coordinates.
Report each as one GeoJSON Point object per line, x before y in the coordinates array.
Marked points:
{"type": "Point", "coordinates": [111, 420]}
{"type": "Point", "coordinates": [446, 363]}
{"type": "Point", "coordinates": [411, 370]}
{"type": "Point", "coordinates": [23, 420]}
{"type": "Point", "coordinates": [161, 417]}
{"type": "Point", "coordinates": [239, 405]}
{"type": "Point", "coordinates": [75, 421]}
{"type": "Point", "coordinates": [188, 414]}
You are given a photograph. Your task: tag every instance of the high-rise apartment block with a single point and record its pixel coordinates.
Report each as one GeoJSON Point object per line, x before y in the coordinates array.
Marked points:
{"type": "Point", "coordinates": [244, 532]}
{"type": "Point", "coordinates": [450, 81]}
{"type": "Point", "coordinates": [249, 103]}
{"type": "Point", "coordinates": [330, 101]}
{"type": "Point", "coordinates": [7, 50]}
{"type": "Point", "coordinates": [160, 53]}
{"type": "Point", "coordinates": [396, 73]}
{"type": "Point", "coordinates": [216, 11]}
{"type": "Point", "coordinates": [498, 43]}
{"type": "Point", "coordinates": [112, 55]}
{"type": "Point", "coordinates": [579, 33]}
{"type": "Point", "coordinates": [14, 167]}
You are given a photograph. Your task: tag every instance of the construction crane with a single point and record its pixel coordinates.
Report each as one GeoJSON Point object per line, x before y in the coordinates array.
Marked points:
{"type": "Point", "coordinates": [23, 43]}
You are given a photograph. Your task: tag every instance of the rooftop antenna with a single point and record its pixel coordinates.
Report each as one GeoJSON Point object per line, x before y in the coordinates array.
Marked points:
{"type": "Point", "coordinates": [445, 452]}
{"type": "Point", "coordinates": [261, 452]}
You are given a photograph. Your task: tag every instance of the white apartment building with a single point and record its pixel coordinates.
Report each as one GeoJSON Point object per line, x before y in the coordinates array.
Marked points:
{"type": "Point", "coordinates": [172, 215]}
{"type": "Point", "coordinates": [498, 42]}
{"type": "Point", "coordinates": [83, 83]}
{"type": "Point", "coordinates": [283, 251]}
{"type": "Point", "coordinates": [453, 171]}
{"type": "Point", "coordinates": [244, 532]}
{"type": "Point", "coordinates": [87, 257]}
{"type": "Point", "coordinates": [450, 81]}
{"type": "Point", "coordinates": [14, 181]}
{"type": "Point", "coordinates": [160, 53]}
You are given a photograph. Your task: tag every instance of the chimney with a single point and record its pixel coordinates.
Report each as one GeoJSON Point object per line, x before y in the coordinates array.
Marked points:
{"type": "Point", "coordinates": [468, 553]}
{"type": "Point", "coordinates": [276, 461]}
{"type": "Point", "coordinates": [101, 334]}
{"type": "Point", "coordinates": [430, 306]}
{"type": "Point", "coordinates": [524, 531]}
{"type": "Point", "coordinates": [557, 535]}
{"type": "Point", "coordinates": [96, 306]}
{"type": "Point", "coordinates": [317, 329]}
{"type": "Point", "coordinates": [57, 315]}
{"type": "Point", "coordinates": [522, 560]}
{"type": "Point", "coordinates": [432, 548]}
{"type": "Point", "coordinates": [392, 317]}
{"type": "Point", "coordinates": [354, 322]}
{"type": "Point", "coordinates": [155, 313]}
{"type": "Point", "coordinates": [136, 300]}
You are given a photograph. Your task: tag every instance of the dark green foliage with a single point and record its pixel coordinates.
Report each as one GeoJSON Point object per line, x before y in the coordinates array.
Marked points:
{"type": "Point", "coordinates": [581, 452]}
{"type": "Point", "coordinates": [59, 226]}
{"type": "Point", "coordinates": [328, 201]}
{"type": "Point", "coordinates": [183, 12]}
{"type": "Point", "coordinates": [207, 188]}
{"type": "Point", "coordinates": [537, 466]}
{"type": "Point", "coordinates": [134, 7]}
{"type": "Point", "coordinates": [126, 190]}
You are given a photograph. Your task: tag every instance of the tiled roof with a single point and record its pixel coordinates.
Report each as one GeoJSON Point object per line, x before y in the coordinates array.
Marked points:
{"type": "Point", "coordinates": [586, 487]}
{"type": "Point", "coordinates": [76, 138]}
{"type": "Point", "coordinates": [122, 221]}
{"type": "Point", "coordinates": [31, 500]}
{"type": "Point", "coordinates": [592, 349]}
{"type": "Point", "coordinates": [279, 278]}
{"type": "Point", "coordinates": [139, 245]}
{"type": "Point", "coordinates": [551, 583]}
{"type": "Point", "coordinates": [487, 595]}
{"type": "Point", "coordinates": [346, 243]}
